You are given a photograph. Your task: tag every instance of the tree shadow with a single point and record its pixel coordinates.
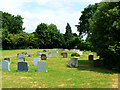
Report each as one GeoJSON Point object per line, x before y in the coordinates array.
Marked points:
{"type": "Point", "coordinates": [88, 65]}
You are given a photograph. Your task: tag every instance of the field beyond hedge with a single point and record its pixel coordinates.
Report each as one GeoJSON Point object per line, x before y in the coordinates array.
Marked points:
{"type": "Point", "coordinates": [59, 74]}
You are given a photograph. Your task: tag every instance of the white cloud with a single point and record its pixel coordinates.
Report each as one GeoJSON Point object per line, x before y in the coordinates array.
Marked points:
{"type": "Point", "coordinates": [59, 13]}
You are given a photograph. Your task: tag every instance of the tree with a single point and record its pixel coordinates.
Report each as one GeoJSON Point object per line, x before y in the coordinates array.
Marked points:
{"type": "Point", "coordinates": [83, 25]}
{"type": "Point", "coordinates": [104, 33]}
{"type": "Point", "coordinates": [12, 23]}
{"type": "Point", "coordinates": [68, 33]}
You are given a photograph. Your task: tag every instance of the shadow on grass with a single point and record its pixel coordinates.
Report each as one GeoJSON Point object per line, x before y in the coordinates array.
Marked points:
{"type": "Point", "coordinates": [88, 65]}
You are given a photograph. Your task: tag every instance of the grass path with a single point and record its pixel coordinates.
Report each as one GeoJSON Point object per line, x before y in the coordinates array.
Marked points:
{"type": "Point", "coordinates": [59, 74]}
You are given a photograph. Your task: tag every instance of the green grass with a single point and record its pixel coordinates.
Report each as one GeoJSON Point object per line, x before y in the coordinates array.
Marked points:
{"type": "Point", "coordinates": [59, 74]}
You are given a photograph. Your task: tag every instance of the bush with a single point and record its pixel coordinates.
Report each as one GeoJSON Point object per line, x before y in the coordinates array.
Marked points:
{"type": "Point", "coordinates": [75, 54]}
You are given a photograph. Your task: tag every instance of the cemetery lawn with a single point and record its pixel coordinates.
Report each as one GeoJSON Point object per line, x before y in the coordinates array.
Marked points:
{"type": "Point", "coordinates": [59, 74]}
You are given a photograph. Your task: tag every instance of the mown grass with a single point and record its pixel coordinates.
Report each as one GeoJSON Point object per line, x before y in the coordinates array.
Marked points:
{"type": "Point", "coordinates": [59, 74]}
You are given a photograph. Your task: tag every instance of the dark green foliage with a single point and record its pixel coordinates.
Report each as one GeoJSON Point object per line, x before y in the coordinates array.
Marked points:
{"type": "Point", "coordinates": [75, 54]}
{"type": "Point", "coordinates": [12, 23]}
{"type": "Point", "coordinates": [104, 33]}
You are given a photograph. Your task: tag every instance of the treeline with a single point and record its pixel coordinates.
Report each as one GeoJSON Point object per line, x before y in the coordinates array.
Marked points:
{"type": "Point", "coordinates": [102, 24]}
{"type": "Point", "coordinates": [44, 36]}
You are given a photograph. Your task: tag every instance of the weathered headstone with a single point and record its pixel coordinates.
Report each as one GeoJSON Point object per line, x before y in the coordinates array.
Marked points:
{"type": "Point", "coordinates": [64, 55]}
{"type": "Point", "coordinates": [43, 57]}
{"type": "Point", "coordinates": [23, 66]}
{"type": "Point", "coordinates": [5, 65]}
{"type": "Point", "coordinates": [20, 57]}
{"type": "Point", "coordinates": [42, 66]}
{"type": "Point", "coordinates": [7, 59]}
{"type": "Point", "coordinates": [39, 53]}
{"type": "Point", "coordinates": [90, 57]}
{"type": "Point", "coordinates": [74, 62]}
{"type": "Point", "coordinates": [80, 53]}
{"type": "Point", "coordinates": [30, 54]}
{"type": "Point", "coordinates": [35, 60]}
{"type": "Point", "coordinates": [50, 54]}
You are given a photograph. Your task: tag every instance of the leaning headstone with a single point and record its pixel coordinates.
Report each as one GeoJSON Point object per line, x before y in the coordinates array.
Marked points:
{"type": "Point", "coordinates": [7, 59]}
{"type": "Point", "coordinates": [5, 65]}
{"type": "Point", "coordinates": [43, 57]}
{"type": "Point", "coordinates": [90, 57]}
{"type": "Point", "coordinates": [23, 66]}
{"type": "Point", "coordinates": [39, 53]}
{"type": "Point", "coordinates": [42, 66]}
{"type": "Point", "coordinates": [50, 54]}
{"type": "Point", "coordinates": [29, 54]}
{"type": "Point", "coordinates": [64, 55]}
{"type": "Point", "coordinates": [35, 60]}
{"type": "Point", "coordinates": [74, 62]}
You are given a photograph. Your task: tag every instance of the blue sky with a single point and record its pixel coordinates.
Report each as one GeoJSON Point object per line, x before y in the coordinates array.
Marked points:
{"type": "Point", "coordinates": [57, 12]}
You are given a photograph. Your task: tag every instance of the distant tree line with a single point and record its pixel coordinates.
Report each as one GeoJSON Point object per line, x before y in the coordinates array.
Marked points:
{"type": "Point", "coordinates": [101, 22]}
{"type": "Point", "coordinates": [44, 36]}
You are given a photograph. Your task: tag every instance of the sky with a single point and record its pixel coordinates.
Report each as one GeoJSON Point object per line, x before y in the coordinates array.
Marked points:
{"type": "Point", "coordinates": [58, 12]}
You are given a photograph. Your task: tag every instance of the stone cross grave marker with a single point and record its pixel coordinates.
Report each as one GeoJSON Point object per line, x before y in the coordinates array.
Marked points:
{"type": "Point", "coordinates": [50, 54]}
{"type": "Point", "coordinates": [43, 57]}
{"type": "Point", "coordinates": [39, 53]}
{"type": "Point", "coordinates": [35, 60]}
{"type": "Point", "coordinates": [5, 65]}
{"type": "Point", "coordinates": [42, 66]}
{"type": "Point", "coordinates": [23, 66]}
{"type": "Point", "coordinates": [74, 62]}
{"type": "Point", "coordinates": [7, 59]}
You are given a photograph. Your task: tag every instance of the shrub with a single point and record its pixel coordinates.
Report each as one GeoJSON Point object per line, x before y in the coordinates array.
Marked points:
{"type": "Point", "coordinates": [75, 54]}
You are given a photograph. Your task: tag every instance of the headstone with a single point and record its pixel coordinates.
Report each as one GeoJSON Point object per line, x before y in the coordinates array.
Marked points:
{"type": "Point", "coordinates": [35, 60]}
{"type": "Point", "coordinates": [39, 53]}
{"type": "Point", "coordinates": [64, 55]}
{"type": "Point", "coordinates": [55, 50]}
{"type": "Point", "coordinates": [74, 62]}
{"type": "Point", "coordinates": [24, 53]}
{"type": "Point", "coordinates": [5, 65]}
{"type": "Point", "coordinates": [7, 59]}
{"type": "Point", "coordinates": [50, 54]}
{"type": "Point", "coordinates": [22, 66]}
{"type": "Point", "coordinates": [21, 59]}
{"type": "Point", "coordinates": [55, 53]}
{"type": "Point", "coordinates": [20, 55]}
{"type": "Point", "coordinates": [42, 66]}
{"type": "Point", "coordinates": [94, 54]}
{"type": "Point", "coordinates": [43, 57]}
{"type": "Point", "coordinates": [80, 53]}
{"type": "Point", "coordinates": [44, 50]}
{"type": "Point", "coordinates": [90, 57]}
{"type": "Point", "coordinates": [30, 54]}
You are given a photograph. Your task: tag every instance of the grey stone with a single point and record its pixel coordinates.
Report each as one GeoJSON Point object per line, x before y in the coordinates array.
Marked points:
{"type": "Point", "coordinates": [50, 54]}
{"type": "Point", "coordinates": [7, 59]}
{"type": "Point", "coordinates": [39, 53]}
{"type": "Point", "coordinates": [42, 66]}
{"type": "Point", "coordinates": [35, 60]}
{"type": "Point", "coordinates": [23, 66]}
{"type": "Point", "coordinates": [74, 62]}
{"type": "Point", "coordinates": [43, 57]}
{"type": "Point", "coordinates": [30, 54]}
{"type": "Point", "coordinates": [5, 65]}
